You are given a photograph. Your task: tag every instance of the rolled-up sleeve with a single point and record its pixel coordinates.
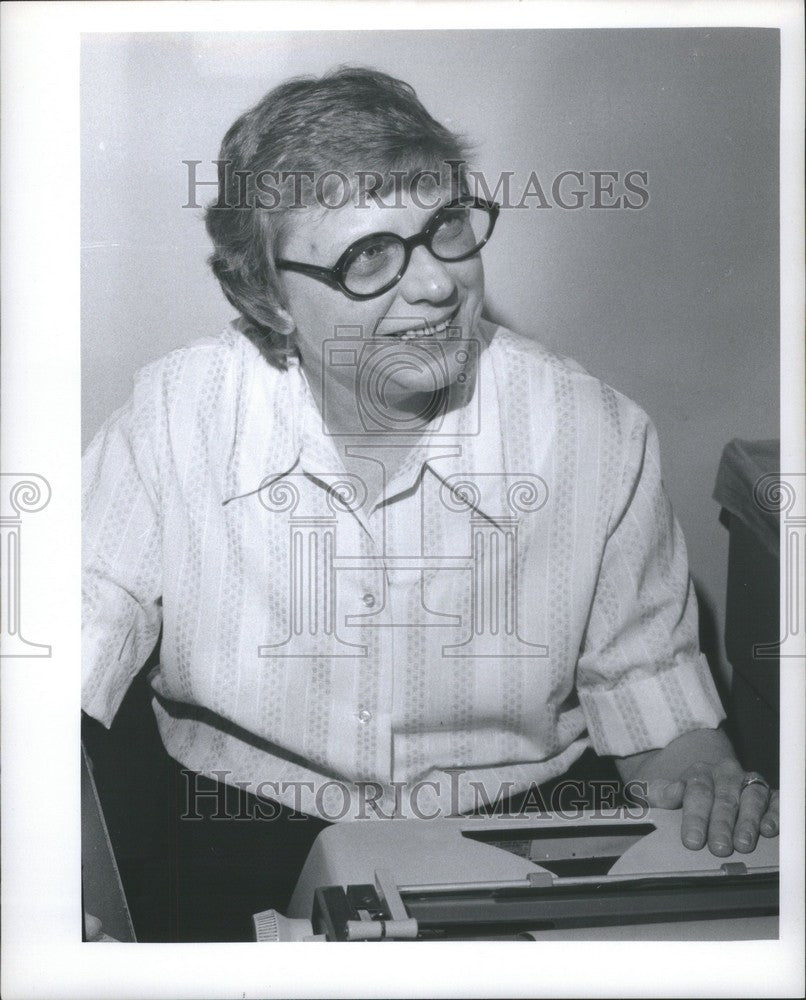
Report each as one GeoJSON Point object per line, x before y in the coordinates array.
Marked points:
{"type": "Point", "coordinates": [641, 678]}
{"type": "Point", "coordinates": [121, 547]}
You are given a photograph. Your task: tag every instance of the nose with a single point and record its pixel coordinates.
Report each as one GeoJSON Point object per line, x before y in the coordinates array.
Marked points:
{"type": "Point", "coordinates": [426, 279]}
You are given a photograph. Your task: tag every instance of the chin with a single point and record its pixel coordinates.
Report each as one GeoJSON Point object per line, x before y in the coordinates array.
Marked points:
{"type": "Point", "coordinates": [419, 383]}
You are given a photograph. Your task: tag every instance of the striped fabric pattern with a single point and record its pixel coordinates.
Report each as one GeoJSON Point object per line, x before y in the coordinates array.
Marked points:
{"type": "Point", "coordinates": [518, 592]}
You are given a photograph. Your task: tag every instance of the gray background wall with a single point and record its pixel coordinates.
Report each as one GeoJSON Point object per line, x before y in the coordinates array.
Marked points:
{"type": "Point", "coordinates": [675, 305]}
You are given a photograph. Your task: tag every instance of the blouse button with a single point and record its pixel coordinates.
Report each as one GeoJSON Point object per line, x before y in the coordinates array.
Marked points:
{"type": "Point", "coordinates": [369, 600]}
{"type": "Point", "coordinates": [364, 715]}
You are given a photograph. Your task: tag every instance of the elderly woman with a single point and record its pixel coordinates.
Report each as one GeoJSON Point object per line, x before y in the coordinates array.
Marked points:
{"type": "Point", "coordinates": [405, 561]}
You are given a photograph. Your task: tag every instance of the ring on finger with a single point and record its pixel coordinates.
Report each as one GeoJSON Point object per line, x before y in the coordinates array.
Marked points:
{"type": "Point", "coordinates": [754, 779]}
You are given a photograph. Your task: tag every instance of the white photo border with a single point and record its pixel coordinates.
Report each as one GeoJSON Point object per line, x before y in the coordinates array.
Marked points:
{"type": "Point", "coordinates": [42, 952]}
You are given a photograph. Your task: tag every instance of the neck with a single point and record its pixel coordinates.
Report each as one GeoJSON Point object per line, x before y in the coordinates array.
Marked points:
{"type": "Point", "coordinates": [400, 414]}
{"type": "Point", "coordinates": [346, 415]}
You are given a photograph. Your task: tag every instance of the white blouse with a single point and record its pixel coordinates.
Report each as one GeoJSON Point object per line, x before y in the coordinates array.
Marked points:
{"type": "Point", "coordinates": [519, 591]}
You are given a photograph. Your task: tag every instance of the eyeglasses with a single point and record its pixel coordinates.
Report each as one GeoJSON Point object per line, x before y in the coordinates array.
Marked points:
{"type": "Point", "coordinates": [375, 263]}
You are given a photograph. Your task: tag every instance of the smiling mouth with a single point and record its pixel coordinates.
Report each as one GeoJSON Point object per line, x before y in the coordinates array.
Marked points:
{"type": "Point", "coordinates": [423, 330]}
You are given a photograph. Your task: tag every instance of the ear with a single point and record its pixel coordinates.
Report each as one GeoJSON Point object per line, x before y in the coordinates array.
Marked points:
{"type": "Point", "coordinates": [284, 323]}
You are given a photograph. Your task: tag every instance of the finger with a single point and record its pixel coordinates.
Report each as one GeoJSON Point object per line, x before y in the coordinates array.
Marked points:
{"type": "Point", "coordinates": [665, 794]}
{"type": "Point", "coordinates": [752, 807]}
{"type": "Point", "coordinates": [727, 797]}
{"type": "Point", "coordinates": [771, 824]}
{"type": "Point", "coordinates": [697, 802]}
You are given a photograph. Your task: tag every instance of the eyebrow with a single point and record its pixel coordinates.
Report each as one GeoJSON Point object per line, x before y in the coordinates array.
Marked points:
{"type": "Point", "coordinates": [349, 241]}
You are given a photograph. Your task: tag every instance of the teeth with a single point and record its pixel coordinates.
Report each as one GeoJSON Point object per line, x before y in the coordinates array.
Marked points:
{"type": "Point", "coordinates": [423, 331]}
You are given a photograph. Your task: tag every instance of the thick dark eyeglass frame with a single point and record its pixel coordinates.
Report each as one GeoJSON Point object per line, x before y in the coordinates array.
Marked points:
{"type": "Point", "coordinates": [334, 276]}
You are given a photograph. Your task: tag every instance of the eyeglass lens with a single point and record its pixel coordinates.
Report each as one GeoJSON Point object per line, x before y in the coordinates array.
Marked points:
{"type": "Point", "coordinates": [378, 260]}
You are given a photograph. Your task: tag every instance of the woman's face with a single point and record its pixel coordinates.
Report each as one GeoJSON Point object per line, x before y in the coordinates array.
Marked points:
{"type": "Point", "coordinates": [431, 293]}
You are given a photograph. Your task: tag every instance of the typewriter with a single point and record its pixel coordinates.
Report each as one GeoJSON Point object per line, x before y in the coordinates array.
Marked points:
{"type": "Point", "coordinates": [529, 877]}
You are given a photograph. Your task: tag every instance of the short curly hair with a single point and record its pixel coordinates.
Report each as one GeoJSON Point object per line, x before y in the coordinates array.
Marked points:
{"type": "Point", "coordinates": [352, 121]}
